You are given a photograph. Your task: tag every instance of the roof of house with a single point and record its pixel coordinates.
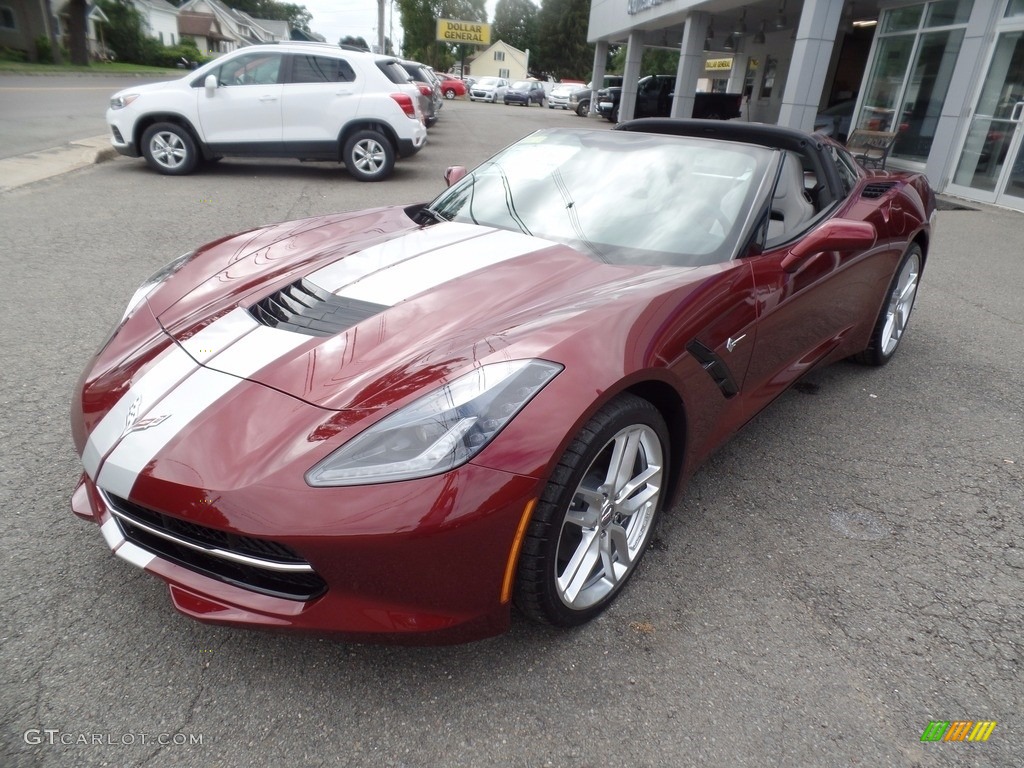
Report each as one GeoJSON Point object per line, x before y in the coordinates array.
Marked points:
{"type": "Point", "coordinates": [200, 25]}
{"type": "Point", "coordinates": [158, 5]}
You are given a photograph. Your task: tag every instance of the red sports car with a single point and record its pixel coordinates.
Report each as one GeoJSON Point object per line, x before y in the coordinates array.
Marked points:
{"type": "Point", "coordinates": [394, 424]}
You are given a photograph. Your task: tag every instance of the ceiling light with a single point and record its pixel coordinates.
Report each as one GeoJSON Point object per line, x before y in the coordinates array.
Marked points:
{"type": "Point", "coordinates": [741, 28]}
{"type": "Point", "coordinates": [780, 19]}
{"type": "Point", "coordinates": [729, 44]}
{"type": "Point", "coordinates": [759, 37]}
{"type": "Point", "coordinates": [865, 23]}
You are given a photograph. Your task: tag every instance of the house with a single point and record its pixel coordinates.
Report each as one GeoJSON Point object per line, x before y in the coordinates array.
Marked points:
{"type": "Point", "coordinates": [21, 22]}
{"type": "Point", "coordinates": [241, 28]}
{"type": "Point", "coordinates": [94, 16]}
{"type": "Point", "coordinates": [204, 30]}
{"type": "Point", "coordinates": [159, 20]}
{"type": "Point", "coordinates": [499, 60]}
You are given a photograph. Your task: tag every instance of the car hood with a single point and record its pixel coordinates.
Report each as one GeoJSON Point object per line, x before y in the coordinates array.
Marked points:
{"type": "Point", "coordinates": [144, 88]}
{"type": "Point", "coordinates": [401, 307]}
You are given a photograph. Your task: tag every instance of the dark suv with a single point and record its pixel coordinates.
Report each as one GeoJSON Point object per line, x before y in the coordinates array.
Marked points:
{"type": "Point", "coordinates": [579, 101]}
{"type": "Point", "coordinates": [654, 95]}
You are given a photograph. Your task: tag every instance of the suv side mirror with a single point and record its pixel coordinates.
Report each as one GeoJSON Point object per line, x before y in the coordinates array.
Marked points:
{"type": "Point", "coordinates": [210, 84]}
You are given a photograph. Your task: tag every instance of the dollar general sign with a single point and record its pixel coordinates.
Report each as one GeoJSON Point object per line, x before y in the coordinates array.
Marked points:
{"type": "Point", "coordinates": [474, 32]}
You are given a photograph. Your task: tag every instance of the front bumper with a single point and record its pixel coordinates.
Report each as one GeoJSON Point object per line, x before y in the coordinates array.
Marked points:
{"type": "Point", "coordinates": [420, 561]}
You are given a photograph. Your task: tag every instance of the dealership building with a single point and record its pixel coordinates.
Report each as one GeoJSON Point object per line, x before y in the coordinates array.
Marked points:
{"type": "Point", "coordinates": [946, 76]}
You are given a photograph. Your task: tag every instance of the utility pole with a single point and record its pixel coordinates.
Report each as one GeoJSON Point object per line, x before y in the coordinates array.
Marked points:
{"type": "Point", "coordinates": [380, 26]}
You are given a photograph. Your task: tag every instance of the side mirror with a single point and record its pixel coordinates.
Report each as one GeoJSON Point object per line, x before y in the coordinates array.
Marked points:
{"type": "Point", "coordinates": [210, 84]}
{"type": "Point", "coordinates": [454, 173]}
{"type": "Point", "coordinates": [841, 235]}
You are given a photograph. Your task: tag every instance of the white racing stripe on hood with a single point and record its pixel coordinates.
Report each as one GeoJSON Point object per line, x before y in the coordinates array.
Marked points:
{"type": "Point", "coordinates": [236, 344]}
{"type": "Point", "coordinates": [173, 366]}
{"type": "Point", "coordinates": [401, 268]}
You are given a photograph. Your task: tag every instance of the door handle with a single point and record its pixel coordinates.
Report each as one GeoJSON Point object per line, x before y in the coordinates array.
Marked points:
{"type": "Point", "coordinates": [343, 93]}
{"type": "Point", "coordinates": [1017, 109]}
{"type": "Point", "coordinates": [268, 98]}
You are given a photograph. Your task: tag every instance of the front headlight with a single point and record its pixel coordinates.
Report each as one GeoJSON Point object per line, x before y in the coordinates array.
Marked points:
{"type": "Point", "coordinates": [441, 430]}
{"type": "Point", "coordinates": [147, 288]}
{"type": "Point", "coordinates": [120, 102]}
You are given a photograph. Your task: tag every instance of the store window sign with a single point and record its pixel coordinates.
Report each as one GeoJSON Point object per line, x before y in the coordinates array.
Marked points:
{"type": "Point", "coordinates": [633, 7]}
{"type": "Point", "coordinates": [718, 64]}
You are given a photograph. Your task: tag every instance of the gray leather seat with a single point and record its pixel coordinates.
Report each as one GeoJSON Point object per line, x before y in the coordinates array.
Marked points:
{"type": "Point", "coordinates": [789, 203]}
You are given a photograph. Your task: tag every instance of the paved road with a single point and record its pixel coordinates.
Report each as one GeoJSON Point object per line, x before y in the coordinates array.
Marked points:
{"type": "Point", "coordinates": [42, 112]}
{"type": "Point", "coordinates": [847, 569]}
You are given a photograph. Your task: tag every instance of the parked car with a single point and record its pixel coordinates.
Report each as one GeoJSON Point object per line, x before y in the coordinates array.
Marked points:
{"type": "Point", "coordinates": [559, 96]}
{"type": "Point", "coordinates": [428, 84]}
{"type": "Point", "coordinates": [525, 92]}
{"type": "Point", "coordinates": [490, 89]}
{"type": "Point", "coordinates": [654, 95]}
{"type": "Point", "coordinates": [579, 101]}
{"type": "Point", "coordinates": [835, 121]}
{"type": "Point", "coordinates": [452, 87]}
{"type": "Point", "coordinates": [394, 424]}
{"type": "Point", "coordinates": [300, 100]}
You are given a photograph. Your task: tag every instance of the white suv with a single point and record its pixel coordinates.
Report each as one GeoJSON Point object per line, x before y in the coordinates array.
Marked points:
{"type": "Point", "coordinates": [301, 100]}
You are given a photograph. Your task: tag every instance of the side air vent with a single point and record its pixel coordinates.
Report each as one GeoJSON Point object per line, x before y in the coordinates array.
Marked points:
{"type": "Point", "coordinates": [876, 189]}
{"type": "Point", "coordinates": [306, 308]}
{"type": "Point", "coordinates": [715, 366]}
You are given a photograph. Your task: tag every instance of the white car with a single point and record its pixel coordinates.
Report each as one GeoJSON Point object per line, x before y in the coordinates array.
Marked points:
{"type": "Point", "coordinates": [559, 96]}
{"type": "Point", "coordinates": [490, 89]}
{"type": "Point", "coordinates": [300, 100]}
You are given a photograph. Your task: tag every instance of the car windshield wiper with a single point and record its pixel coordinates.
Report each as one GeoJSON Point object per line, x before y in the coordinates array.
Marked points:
{"type": "Point", "coordinates": [427, 215]}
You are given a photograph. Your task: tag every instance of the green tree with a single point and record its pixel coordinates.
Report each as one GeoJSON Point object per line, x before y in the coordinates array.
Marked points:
{"type": "Point", "coordinates": [655, 61]}
{"type": "Point", "coordinates": [515, 22]}
{"type": "Point", "coordinates": [123, 32]}
{"type": "Point", "coordinates": [562, 48]}
{"type": "Point", "coordinates": [419, 22]}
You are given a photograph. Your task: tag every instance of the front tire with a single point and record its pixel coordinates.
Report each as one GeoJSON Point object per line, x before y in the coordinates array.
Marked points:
{"type": "Point", "coordinates": [583, 109]}
{"type": "Point", "coordinates": [368, 155]}
{"type": "Point", "coordinates": [894, 318]}
{"type": "Point", "coordinates": [596, 515]}
{"type": "Point", "coordinates": [170, 149]}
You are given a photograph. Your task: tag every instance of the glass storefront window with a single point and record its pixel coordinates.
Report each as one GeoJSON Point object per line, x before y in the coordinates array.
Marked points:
{"type": "Point", "coordinates": [1015, 8]}
{"type": "Point", "coordinates": [949, 12]}
{"type": "Point", "coordinates": [902, 19]}
{"type": "Point", "coordinates": [910, 73]}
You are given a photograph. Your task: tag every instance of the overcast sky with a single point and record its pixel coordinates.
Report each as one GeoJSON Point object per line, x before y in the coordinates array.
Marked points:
{"type": "Point", "coordinates": [336, 18]}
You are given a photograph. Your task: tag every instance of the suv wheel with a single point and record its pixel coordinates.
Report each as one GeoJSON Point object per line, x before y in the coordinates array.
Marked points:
{"type": "Point", "coordinates": [170, 149]}
{"type": "Point", "coordinates": [369, 156]}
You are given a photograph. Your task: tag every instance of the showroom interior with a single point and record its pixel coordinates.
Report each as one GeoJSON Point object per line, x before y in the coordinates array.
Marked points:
{"type": "Point", "coordinates": [946, 76]}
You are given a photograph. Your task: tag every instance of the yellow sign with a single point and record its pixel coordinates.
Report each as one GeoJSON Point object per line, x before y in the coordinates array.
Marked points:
{"type": "Point", "coordinates": [718, 64]}
{"type": "Point", "coordinates": [473, 32]}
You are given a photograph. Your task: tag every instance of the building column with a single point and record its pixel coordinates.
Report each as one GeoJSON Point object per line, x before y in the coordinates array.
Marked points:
{"type": "Point", "coordinates": [738, 73]}
{"type": "Point", "coordinates": [691, 63]}
{"type": "Point", "coordinates": [597, 79]}
{"type": "Point", "coordinates": [812, 52]}
{"type": "Point", "coordinates": [630, 74]}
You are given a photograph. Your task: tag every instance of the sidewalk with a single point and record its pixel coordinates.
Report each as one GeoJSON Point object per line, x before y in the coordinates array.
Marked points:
{"type": "Point", "coordinates": [46, 163]}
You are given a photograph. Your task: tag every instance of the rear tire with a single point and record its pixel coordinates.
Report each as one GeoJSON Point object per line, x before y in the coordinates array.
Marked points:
{"type": "Point", "coordinates": [449, 94]}
{"type": "Point", "coordinates": [596, 515]}
{"type": "Point", "coordinates": [894, 317]}
{"type": "Point", "coordinates": [368, 155]}
{"type": "Point", "coordinates": [170, 149]}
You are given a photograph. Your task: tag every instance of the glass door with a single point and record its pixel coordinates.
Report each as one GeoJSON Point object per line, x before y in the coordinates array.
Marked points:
{"type": "Point", "coordinates": [991, 167]}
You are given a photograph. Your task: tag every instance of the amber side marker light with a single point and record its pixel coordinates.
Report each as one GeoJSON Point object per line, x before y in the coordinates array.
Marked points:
{"type": "Point", "coordinates": [513, 555]}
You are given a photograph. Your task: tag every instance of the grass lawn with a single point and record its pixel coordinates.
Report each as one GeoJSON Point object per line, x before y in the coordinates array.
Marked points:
{"type": "Point", "coordinates": [98, 68]}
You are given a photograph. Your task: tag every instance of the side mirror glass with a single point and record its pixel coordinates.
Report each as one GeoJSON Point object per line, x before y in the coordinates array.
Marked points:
{"type": "Point", "coordinates": [454, 173]}
{"type": "Point", "coordinates": [210, 83]}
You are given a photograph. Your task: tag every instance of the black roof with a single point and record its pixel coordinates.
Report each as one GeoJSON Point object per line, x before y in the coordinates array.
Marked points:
{"type": "Point", "coordinates": [728, 130]}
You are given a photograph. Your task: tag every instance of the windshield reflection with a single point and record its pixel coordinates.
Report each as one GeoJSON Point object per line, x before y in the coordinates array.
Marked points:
{"type": "Point", "coordinates": [623, 197]}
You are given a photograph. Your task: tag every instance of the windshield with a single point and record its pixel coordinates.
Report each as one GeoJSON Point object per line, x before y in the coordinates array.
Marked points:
{"type": "Point", "coordinates": [624, 197]}
{"type": "Point", "coordinates": [487, 81]}
{"type": "Point", "coordinates": [520, 85]}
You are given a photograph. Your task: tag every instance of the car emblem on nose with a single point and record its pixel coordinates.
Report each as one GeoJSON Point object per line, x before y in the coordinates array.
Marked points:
{"type": "Point", "coordinates": [132, 423]}
{"type": "Point", "coordinates": [133, 413]}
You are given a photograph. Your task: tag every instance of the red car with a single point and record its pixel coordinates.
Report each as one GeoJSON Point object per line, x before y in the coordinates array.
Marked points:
{"type": "Point", "coordinates": [393, 424]}
{"type": "Point", "coordinates": [451, 87]}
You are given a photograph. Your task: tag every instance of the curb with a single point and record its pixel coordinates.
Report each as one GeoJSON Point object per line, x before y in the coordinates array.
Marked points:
{"type": "Point", "coordinates": [46, 163]}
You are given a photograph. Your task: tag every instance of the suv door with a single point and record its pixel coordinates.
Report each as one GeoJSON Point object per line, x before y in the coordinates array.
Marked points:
{"type": "Point", "coordinates": [321, 95]}
{"type": "Point", "coordinates": [244, 113]}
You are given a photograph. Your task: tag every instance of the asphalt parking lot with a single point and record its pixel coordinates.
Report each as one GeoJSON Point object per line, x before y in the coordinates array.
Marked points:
{"type": "Point", "coordinates": [846, 570]}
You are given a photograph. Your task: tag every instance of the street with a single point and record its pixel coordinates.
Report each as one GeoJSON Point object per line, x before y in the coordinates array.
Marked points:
{"type": "Point", "coordinates": [845, 570]}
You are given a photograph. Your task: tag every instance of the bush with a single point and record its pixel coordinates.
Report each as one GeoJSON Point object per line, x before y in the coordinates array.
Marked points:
{"type": "Point", "coordinates": [11, 54]}
{"type": "Point", "coordinates": [44, 52]}
{"type": "Point", "coordinates": [171, 57]}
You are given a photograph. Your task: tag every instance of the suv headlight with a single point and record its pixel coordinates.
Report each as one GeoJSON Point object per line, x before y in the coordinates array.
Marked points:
{"type": "Point", "coordinates": [441, 430]}
{"type": "Point", "coordinates": [120, 102]}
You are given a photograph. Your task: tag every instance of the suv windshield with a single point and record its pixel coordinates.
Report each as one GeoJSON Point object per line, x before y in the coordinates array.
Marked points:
{"type": "Point", "coordinates": [678, 201]}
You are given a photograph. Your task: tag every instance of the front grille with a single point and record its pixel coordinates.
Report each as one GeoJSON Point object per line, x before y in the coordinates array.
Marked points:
{"type": "Point", "coordinates": [876, 189]}
{"type": "Point", "coordinates": [303, 307]}
{"type": "Point", "coordinates": [257, 564]}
